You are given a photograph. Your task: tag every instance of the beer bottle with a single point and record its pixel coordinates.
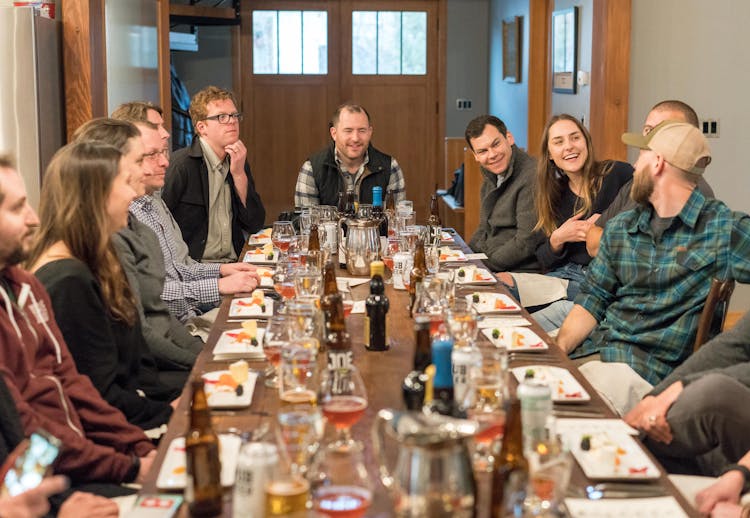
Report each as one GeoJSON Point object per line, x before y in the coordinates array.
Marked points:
{"type": "Point", "coordinates": [330, 293]}
{"type": "Point", "coordinates": [417, 274]}
{"type": "Point", "coordinates": [203, 492]}
{"type": "Point", "coordinates": [423, 349]}
{"type": "Point", "coordinates": [314, 243]}
{"type": "Point", "coordinates": [415, 383]}
{"type": "Point", "coordinates": [376, 305]}
{"type": "Point", "coordinates": [349, 211]}
{"type": "Point", "coordinates": [337, 340]}
{"type": "Point", "coordinates": [390, 213]}
{"type": "Point", "coordinates": [442, 347]}
{"type": "Point", "coordinates": [511, 472]}
{"type": "Point", "coordinates": [377, 210]}
{"type": "Point", "coordinates": [434, 224]}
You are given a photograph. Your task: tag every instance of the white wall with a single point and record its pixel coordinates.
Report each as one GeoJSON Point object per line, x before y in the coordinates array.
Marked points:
{"type": "Point", "coordinates": [696, 51]}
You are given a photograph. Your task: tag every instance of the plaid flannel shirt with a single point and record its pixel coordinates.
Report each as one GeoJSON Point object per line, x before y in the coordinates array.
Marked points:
{"type": "Point", "coordinates": [190, 285]}
{"type": "Point", "coordinates": [306, 192]}
{"type": "Point", "coordinates": [647, 295]}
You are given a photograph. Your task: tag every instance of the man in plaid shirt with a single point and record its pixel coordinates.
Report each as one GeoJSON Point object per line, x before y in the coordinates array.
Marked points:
{"type": "Point", "coordinates": [636, 316]}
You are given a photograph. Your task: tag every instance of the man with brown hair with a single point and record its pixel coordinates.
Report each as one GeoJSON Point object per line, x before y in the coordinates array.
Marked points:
{"type": "Point", "coordinates": [142, 112]}
{"type": "Point", "coordinates": [209, 187]}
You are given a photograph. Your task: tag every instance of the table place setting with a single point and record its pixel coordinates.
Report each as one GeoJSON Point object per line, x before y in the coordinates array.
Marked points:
{"type": "Point", "coordinates": [491, 303]}
{"type": "Point", "coordinates": [563, 385]}
{"type": "Point", "coordinates": [653, 507]}
{"type": "Point", "coordinates": [515, 339]}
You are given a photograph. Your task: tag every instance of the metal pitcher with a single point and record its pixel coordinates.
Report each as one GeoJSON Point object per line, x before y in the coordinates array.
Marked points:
{"type": "Point", "coordinates": [362, 245]}
{"type": "Point", "coordinates": [433, 474]}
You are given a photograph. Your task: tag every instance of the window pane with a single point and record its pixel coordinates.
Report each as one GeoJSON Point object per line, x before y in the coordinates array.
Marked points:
{"type": "Point", "coordinates": [315, 42]}
{"type": "Point", "coordinates": [414, 53]}
{"type": "Point", "coordinates": [265, 51]}
{"type": "Point", "coordinates": [364, 39]}
{"type": "Point", "coordinates": [290, 42]}
{"type": "Point", "coordinates": [389, 42]}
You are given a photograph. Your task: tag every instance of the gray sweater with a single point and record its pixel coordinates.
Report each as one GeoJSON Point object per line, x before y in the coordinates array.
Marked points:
{"type": "Point", "coordinates": [507, 217]}
{"type": "Point", "coordinates": [167, 338]}
{"type": "Point", "coordinates": [728, 353]}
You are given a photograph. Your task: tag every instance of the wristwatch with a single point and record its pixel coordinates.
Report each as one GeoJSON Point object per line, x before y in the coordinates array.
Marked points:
{"type": "Point", "coordinates": [745, 475]}
{"type": "Point", "coordinates": [135, 467]}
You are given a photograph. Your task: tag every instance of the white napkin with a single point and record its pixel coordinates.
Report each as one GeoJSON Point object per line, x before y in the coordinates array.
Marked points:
{"type": "Point", "coordinates": [359, 306]}
{"type": "Point", "coordinates": [592, 426]}
{"type": "Point", "coordinates": [503, 321]}
{"type": "Point", "coordinates": [535, 289]}
{"type": "Point", "coordinates": [476, 256]}
{"type": "Point", "coordinates": [658, 507]}
{"type": "Point", "coordinates": [353, 281]}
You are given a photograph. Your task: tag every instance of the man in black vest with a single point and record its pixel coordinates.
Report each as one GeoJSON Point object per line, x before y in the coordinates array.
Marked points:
{"type": "Point", "coordinates": [348, 161]}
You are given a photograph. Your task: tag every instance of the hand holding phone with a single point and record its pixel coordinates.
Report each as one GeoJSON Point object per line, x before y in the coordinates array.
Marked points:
{"type": "Point", "coordinates": [29, 463]}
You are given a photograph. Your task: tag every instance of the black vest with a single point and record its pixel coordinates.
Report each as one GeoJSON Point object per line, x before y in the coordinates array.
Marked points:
{"type": "Point", "coordinates": [330, 183]}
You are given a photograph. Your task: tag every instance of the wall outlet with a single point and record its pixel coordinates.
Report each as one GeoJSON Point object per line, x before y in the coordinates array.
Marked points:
{"type": "Point", "coordinates": [710, 128]}
{"type": "Point", "coordinates": [463, 104]}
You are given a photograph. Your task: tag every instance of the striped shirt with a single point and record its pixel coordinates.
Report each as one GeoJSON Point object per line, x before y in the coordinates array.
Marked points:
{"type": "Point", "coordinates": [190, 286]}
{"type": "Point", "coordinates": [306, 191]}
{"type": "Point", "coordinates": [647, 293]}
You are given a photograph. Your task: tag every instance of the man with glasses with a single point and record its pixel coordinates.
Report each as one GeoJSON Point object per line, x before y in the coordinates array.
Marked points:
{"type": "Point", "coordinates": [188, 287]}
{"type": "Point", "coordinates": [209, 187]}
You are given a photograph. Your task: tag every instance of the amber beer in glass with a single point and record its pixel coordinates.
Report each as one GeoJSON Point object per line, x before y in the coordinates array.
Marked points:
{"type": "Point", "coordinates": [203, 491]}
{"type": "Point", "coordinates": [287, 496]}
{"type": "Point", "coordinates": [511, 472]}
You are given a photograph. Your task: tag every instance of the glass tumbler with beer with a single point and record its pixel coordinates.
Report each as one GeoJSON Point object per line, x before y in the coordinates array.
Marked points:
{"type": "Point", "coordinates": [343, 399]}
{"type": "Point", "coordinates": [276, 335]}
{"type": "Point", "coordinates": [339, 482]}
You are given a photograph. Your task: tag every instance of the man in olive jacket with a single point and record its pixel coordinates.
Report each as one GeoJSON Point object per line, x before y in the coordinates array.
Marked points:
{"type": "Point", "coordinates": [506, 216]}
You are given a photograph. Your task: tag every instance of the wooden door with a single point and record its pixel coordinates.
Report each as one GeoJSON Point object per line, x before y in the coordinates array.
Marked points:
{"type": "Point", "coordinates": [286, 116]}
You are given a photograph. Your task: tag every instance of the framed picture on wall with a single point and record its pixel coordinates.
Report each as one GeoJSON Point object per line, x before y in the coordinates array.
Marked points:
{"type": "Point", "coordinates": [512, 50]}
{"type": "Point", "coordinates": [564, 50]}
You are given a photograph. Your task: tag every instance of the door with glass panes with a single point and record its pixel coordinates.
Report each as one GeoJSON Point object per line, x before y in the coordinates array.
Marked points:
{"type": "Point", "coordinates": [302, 59]}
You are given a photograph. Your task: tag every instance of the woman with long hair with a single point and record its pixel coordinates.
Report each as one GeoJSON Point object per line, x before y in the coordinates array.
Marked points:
{"type": "Point", "coordinates": [84, 200]}
{"type": "Point", "coordinates": [573, 188]}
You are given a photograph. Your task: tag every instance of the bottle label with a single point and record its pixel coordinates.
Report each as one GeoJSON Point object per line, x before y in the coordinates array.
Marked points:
{"type": "Point", "coordinates": [339, 359]}
{"type": "Point", "coordinates": [367, 331]}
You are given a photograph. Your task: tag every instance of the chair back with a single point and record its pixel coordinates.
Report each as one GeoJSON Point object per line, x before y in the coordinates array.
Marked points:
{"type": "Point", "coordinates": [714, 311]}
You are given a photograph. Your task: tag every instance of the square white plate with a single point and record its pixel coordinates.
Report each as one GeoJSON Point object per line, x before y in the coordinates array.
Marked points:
{"type": "Point", "coordinates": [493, 303]}
{"type": "Point", "coordinates": [662, 507]}
{"type": "Point", "coordinates": [612, 456]}
{"type": "Point", "coordinates": [473, 275]}
{"type": "Point", "coordinates": [515, 338]}
{"type": "Point", "coordinates": [256, 256]}
{"type": "Point", "coordinates": [234, 344]}
{"type": "Point", "coordinates": [565, 388]}
{"type": "Point", "coordinates": [242, 307]}
{"type": "Point", "coordinates": [173, 470]}
{"type": "Point", "coordinates": [260, 238]}
{"type": "Point", "coordinates": [446, 237]}
{"type": "Point", "coordinates": [450, 255]}
{"type": "Point", "coordinates": [265, 275]}
{"type": "Point", "coordinates": [222, 396]}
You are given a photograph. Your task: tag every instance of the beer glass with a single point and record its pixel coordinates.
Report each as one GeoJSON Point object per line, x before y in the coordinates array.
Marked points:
{"type": "Point", "coordinates": [281, 236]}
{"type": "Point", "coordinates": [277, 335]}
{"type": "Point", "coordinates": [343, 399]}
{"type": "Point", "coordinates": [307, 282]}
{"type": "Point", "coordinates": [389, 250]}
{"type": "Point", "coordinates": [484, 404]}
{"type": "Point", "coordinates": [339, 482]}
{"type": "Point", "coordinates": [287, 496]}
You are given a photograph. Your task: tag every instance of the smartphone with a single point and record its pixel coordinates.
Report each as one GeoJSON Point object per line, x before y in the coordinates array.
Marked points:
{"type": "Point", "coordinates": [29, 463]}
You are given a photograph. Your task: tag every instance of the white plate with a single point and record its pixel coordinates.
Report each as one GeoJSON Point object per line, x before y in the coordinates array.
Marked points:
{"type": "Point", "coordinates": [476, 276]}
{"type": "Point", "coordinates": [265, 275]}
{"type": "Point", "coordinates": [172, 473]}
{"type": "Point", "coordinates": [493, 303]}
{"type": "Point", "coordinates": [515, 338]}
{"type": "Point", "coordinates": [240, 308]}
{"type": "Point", "coordinates": [446, 237]}
{"type": "Point", "coordinates": [260, 258]}
{"type": "Point", "coordinates": [221, 396]}
{"type": "Point", "coordinates": [565, 388]}
{"type": "Point", "coordinates": [233, 344]}
{"type": "Point", "coordinates": [449, 255]}
{"type": "Point", "coordinates": [612, 456]}
{"type": "Point", "coordinates": [260, 238]}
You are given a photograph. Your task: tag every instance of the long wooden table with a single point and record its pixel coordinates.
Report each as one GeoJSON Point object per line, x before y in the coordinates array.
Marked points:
{"type": "Point", "coordinates": [382, 373]}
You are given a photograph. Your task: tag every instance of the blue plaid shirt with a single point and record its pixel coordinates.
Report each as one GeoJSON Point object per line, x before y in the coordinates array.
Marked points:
{"type": "Point", "coordinates": [647, 294]}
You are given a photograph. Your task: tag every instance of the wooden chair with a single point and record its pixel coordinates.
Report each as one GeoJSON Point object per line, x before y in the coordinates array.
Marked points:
{"type": "Point", "coordinates": [714, 311]}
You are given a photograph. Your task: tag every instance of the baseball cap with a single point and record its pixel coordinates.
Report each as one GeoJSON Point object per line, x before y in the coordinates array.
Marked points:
{"type": "Point", "coordinates": [681, 144]}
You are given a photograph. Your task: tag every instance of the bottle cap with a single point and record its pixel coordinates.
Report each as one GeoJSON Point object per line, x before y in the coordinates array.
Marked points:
{"type": "Point", "coordinates": [377, 267]}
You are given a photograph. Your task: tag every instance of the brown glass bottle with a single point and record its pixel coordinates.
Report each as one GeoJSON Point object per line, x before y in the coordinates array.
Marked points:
{"type": "Point", "coordinates": [314, 243]}
{"type": "Point", "coordinates": [418, 272]}
{"type": "Point", "coordinates": [337, 341]}
{"type": "Point", "coordinates": [330, 292]}
{"type": "Point", "coordinates": [203, 491]}
{"type": "Point", "coordinates": [511, 468]}
{"type": "Point", "coordinates": [376, 307]}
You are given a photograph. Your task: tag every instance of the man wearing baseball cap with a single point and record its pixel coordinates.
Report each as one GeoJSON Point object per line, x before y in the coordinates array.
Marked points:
{"type": "Point", "coordinates": [636, 316]}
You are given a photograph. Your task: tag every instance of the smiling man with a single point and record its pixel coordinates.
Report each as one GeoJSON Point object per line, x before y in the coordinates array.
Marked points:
{"type": "Point", "coordinates": [209, 187]}
{"type": "Point", "coordinates": [506, 215]}
{"type": "Point", "coordinates": [349, 161]}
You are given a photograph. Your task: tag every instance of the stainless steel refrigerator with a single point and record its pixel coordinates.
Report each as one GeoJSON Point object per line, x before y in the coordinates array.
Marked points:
{"type": "Point", "coordinates": [32, 108]}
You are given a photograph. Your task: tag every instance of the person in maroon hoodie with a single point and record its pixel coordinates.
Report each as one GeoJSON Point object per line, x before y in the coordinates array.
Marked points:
{"type": "Point", "coordinates": [98, 444]}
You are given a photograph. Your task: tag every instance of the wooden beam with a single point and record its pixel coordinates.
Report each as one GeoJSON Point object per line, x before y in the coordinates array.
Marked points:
{"type": "Point", "coordinates": [197, 11]}
{"type": "Point", "coordinates": [540, 77]}
{"type": "Point", "coordinates": [610, 77]}
{"type": "Point", "coordinates": [84, 62]}
{"type": "Point", "coordinates": [165, 79]}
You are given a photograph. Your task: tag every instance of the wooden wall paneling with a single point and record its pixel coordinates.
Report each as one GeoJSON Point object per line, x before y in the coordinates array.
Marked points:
{"type": "Point", "coordinates": [165, 79]}
{"type": "Point", "coordinates": [442, 71]}
{"type": "Point", "coordinates": [472, 186]}
{"type": "Point", "coordinates": [454, 157]}
{"type": "Point", "coordinates": [84, 62]}
{"type": "Point", "coordinates": [540, 80]}
{"type": "Point", "coordinates": [610, 77]}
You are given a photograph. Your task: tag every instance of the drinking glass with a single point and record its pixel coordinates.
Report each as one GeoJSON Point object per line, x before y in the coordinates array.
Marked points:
{"type": "Point", "coordinates": [484, 404]}
{"type": "Point", "coordinates": [343, 399]}
{"type": "Point", "coordinates": [549, 474]}
{"type": "Point", "coordinates": [276, 336]}
{"type": "Point", "coordinates": [307, 282]}
{"type": "Point", "coordinates": [283, 283]}
{"type": "Point", "coordinates": [287, 495]}
{"type": "Point", "coordinates": [391, 248]}
{"type": "Point", "coordinates": [462, 322]}
{"type": "Point", "coordinates": [432, 257]}
{"type": "Point", "coordinates": [281, 235]}
{"type": "Point", "coordinates": [346, 297]}
{"type": "Point", "coordinates": [305, 220]}
{"type": "Point", "coordinates": [339, 482]}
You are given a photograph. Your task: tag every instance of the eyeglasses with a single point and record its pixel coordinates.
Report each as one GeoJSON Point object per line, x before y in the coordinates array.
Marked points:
{"type": "Point", "coordinates": [154, 155]}
{"type": "Point", "coordinates": [225, 118]}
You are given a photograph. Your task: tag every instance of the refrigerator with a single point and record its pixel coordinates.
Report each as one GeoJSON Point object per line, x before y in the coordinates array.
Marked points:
{"type": "Point", "coordinates": [32, 109]}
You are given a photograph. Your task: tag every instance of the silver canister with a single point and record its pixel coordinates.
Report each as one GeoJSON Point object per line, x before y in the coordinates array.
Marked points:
{"type": "Point", "coordinates": [257, 465]}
